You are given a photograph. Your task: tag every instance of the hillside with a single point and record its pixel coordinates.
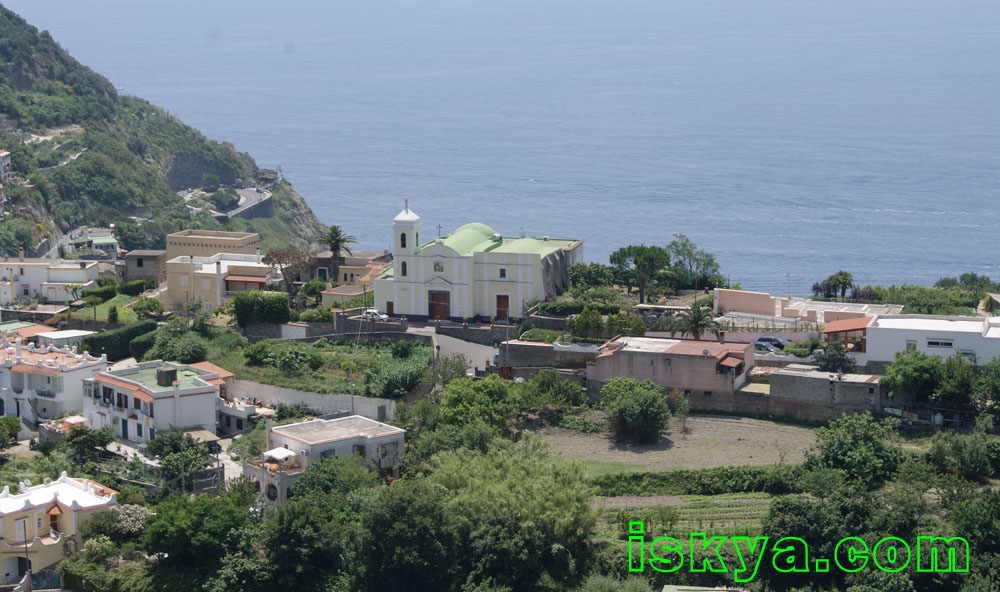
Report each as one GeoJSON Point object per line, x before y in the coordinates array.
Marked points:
{"type": "Point", "coordinates": [82, 154]}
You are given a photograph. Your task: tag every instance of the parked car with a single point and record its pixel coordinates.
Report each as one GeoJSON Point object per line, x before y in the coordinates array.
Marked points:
{"type": "Point", "coordinates": [373, 313]}
{"type": "Point", "coordinates": [778, 343]}
{"type": "Point", "coordinates": [765, 347]}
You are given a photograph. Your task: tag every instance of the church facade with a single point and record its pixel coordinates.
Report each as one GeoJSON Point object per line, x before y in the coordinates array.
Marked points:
{"type": "Point", "coordinates": [472, 271]}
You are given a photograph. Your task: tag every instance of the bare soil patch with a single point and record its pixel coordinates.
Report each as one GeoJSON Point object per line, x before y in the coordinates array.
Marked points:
{"type": "Point", "coordinates": [709, 441]}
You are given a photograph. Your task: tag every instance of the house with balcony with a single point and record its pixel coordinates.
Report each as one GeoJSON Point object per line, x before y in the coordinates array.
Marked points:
{"type": "Point", "coordinates": [975, 338]}
{"type": "Point", "coordinates": [40, 524]}
{"type": "Point", "coordinates": [38, 383]}
{"type": "Point", "coordinates": [290, 449]}
{"type": "Point", "coordinates": [98, 239]}
{"type": "Point", "coordinates": [216, 280]}
{"type": "Point", "coordinates": [53, 280]}
{"type": "Point", "coordinates": [155, 396]}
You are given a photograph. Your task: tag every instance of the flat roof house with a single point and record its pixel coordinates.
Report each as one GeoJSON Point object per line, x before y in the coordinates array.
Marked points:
{"type": "Point", "coordinates": [703, 369]}
{"type": "Point", "coordinates": [472, 271]}
{"type": "Point", "coordinates": [143, 263]}
{"type": "Point", "coordinates": [39, 383]}
{"type": "Point", "coordinates": [206, 243]}
{"type": "Point", "coordinates": [50, 279]}
{"type": "Point", "coordinates": [290, 449]}
{"type": "Point", "coordinates": [976, 338]}
{"type": "Point", "coordinates": [152, 397]}
{"type": "Point", "coordinates": [214, 280]}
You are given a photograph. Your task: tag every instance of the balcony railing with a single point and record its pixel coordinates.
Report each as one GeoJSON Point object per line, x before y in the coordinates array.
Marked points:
{"type": "Point", "coordinates": [49, 393]}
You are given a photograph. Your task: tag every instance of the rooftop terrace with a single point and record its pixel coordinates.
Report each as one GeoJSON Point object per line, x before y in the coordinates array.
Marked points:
{"type": "Point", "coordinates": [318, 431]}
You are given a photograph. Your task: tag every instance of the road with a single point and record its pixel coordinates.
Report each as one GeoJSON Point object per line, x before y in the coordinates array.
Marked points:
{"type": "Point", "coordinates": [64, 242]}
{"type": "Point", "coordinates": [248, 197]}
{"type": "Point", "coordinates": [479, 355]}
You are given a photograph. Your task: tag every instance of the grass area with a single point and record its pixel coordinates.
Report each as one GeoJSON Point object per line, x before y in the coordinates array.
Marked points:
{"type": "Point", "coordinates": [721, 514]}
{"type": "Point", "coordinates": [125, 315]}
{"type": "Point", "coordinates": [595, 468]}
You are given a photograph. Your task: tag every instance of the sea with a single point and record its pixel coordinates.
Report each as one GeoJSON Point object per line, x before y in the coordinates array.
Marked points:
{"type": "Point", "coordinates": [790, 138]}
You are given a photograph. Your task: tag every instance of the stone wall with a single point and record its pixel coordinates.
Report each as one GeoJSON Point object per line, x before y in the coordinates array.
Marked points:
{"type": "Point", "coordinates": [545, 355]}
{"type": "Point", "coordinates": [483, 335]}
{"type": "Point", "coordinates": [550, 323]}
{"type": "Point", "coordinates": [371, 407]}
{"type": "Point", "coordinates": [261, 331]}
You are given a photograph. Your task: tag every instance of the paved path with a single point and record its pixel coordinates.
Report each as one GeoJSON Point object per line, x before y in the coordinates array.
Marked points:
{"type": "Point", "coordinates": [232, 468]}
{"type": "Point", "coordinates": [479, 355]}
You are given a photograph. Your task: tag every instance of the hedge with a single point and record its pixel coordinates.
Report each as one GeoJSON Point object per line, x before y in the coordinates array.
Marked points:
{"type": "Point", "coordinates": [142, 344]}
{"type": "Point", "coordinates": [132, 288]}
{"type": "Point", "coordinates": [774, 479]}
{"type": "Point", "coordinates": [254, 306]}
{"type": "Point", "coordinates": [105, 293]}
{"type": "Point", "coordinates": [564, 308]}
{"type": "Point", "coordinates": [115, 343]}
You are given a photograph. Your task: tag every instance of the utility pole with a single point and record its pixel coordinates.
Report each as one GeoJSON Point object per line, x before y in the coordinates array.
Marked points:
{"type": "Point", "coordinates": [350, 378]}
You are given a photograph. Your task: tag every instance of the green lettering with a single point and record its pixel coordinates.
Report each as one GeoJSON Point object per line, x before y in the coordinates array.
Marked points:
{"type": "Point", "coordinates": [670, 564]}
{"type": "Point", "coordinates": [713, 544]}
{"type": "Point", "coordinates": [953, 544]}
{"type": "Point", "coordinates": [892, 554]}
{"type": "Point", "coordinates": [636, 528]}
{"type": "Point", "coordinates": [797, 551]}
{"type": "Point", "coordinates": [755, 552]}
{"type": "Point", "coordinates": [855, 551]}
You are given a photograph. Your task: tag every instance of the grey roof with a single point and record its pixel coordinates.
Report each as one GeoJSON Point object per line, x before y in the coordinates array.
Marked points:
{"type": "Point", "coordinates": [146, 253]}
{"type": "Point", "coordinates": [318, 431]}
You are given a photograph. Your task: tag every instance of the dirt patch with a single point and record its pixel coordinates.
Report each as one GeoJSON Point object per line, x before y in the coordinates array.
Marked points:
{"type": "Point", "coordinates": [709, 441]}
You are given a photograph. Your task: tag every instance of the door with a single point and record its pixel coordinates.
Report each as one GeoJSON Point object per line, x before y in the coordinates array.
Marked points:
{"type": "Point", "coordinates": [439, 305]}
{"type": "Point", "coordinates": [388, 308]}
{"type": "Point", "coordinates": [503, 305]}
{"type": "Point", "coordinates": [124, 429]}
{"type": "Point", "coordinates": [21, 530]}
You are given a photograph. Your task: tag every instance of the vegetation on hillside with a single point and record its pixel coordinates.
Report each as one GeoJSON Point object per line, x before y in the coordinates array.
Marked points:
{"type": "Point", "coordinates": [130, 156]}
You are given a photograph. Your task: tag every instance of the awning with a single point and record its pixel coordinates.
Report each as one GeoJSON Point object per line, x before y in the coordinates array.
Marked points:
{"type": "Point", "coordinates": [254, 279]}
{"type": "Point", "coordinates": [731, 362]}
{"type": "Point", "coordinates": [279, 454]}
{"type": "Point", "coordinates": [842, 325]}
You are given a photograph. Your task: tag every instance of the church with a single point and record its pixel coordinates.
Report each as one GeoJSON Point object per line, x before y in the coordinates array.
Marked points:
{"type": "Point", "coordinates": [472, 271]}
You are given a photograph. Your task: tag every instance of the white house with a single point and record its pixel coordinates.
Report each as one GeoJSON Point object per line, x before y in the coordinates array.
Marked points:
{"type": "Point", "coordinates": [976, 338]}
{"type": "Point", "coordinates": [44, 382]}
{"type": "Point", "coordinates": [290, 449]}
{"type": "Point", "coordinates": [67, 338]}
{"type": "Point", "coordinates": [472, 271]}
{"type": "Point", "coordinates": [152, 397]}
{"type": "Point", "coordinates": [51, 279]}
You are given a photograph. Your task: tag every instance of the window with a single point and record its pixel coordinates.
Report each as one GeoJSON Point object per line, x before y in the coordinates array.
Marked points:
{"type": "Point", "coordinates": [940, 343]}
{"type": "Point", "coordinates": [204, 285]}
{"type": "Point", "coordinates": [708, 393]}
{"type": "Point", "coordinates": [666, 362]}
{"type": "Point", "coordinates": [136, 403]}
{"type": "Point", "coordinates": [25, 292]}
{"type": "Point", "coordinates": [402, 269]}
{"type": "Point", "coordinates": [239, 424]}
{"type": "Point", "coordinates": [911, 343]}
{"type": "Point", "coordinates": [138, 262]}
{"type": "Point", "coordinates": [439, 266]}
{"type": "Point", "coordinates": [152, 434]}
{"type": "Point", "coordinates": [229, 421]}
{"type": "Point", "coordinates": [22, 271]}
{"type": "Point", "coordinates": [871, 390]}
{"type": "Point", "coordinates": [402, 240]}
{"type": "Point", "coordinates": [138, 430]}
{"type": "Point", "coordinates": [968, 354]}
{"type": "Point", "coordinates": [503, 273]}
{"type": "Point", "coordinates": [151, 414]}
{"type": "Point", "coordinates": [358, 449]}
{"type": "Point", "coordinates": [39, 523]}
{"type": "Point", "coordinates": [184, 281]}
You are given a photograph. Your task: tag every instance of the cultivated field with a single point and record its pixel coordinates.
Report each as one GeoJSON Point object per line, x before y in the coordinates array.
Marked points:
{"type": "Point", "coordinates": [709, 441]}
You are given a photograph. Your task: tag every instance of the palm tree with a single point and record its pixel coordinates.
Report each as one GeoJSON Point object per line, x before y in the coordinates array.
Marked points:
{"type": "Point", "coordinates": [697, 320]}
{"type": "Point", "coordinates": [337, 241]}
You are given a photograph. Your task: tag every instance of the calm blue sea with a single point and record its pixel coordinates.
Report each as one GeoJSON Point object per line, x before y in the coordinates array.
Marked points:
{"type": "Point", "coordinates": [791, 138]}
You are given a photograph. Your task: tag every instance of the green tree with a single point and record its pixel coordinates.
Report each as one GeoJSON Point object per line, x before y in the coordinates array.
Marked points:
{"type": "Point", "coordinates": [834, 358]}
{"type": "Point", "coordinates": [692, 264]}
{"type": "Point", "coordinates": [84, 443]}
{"type": "Point", "coordinates": [335, 477]}
{"type": "Point", "coordinates": [547, 387]}
{"type": "Point", "coordinates": [113, 314]}
{"type": "Point", "coordinates": [146, 308]}
{"type": "Point", "coordinates": [9, 427]}
{"type": "Point", "coordinates": [588, 322]}
{"type": "Point", "coordinates": [445, 369]}
{"type": "Point", "coordinates": [914, 373]}
{"type": "Point", "coordinates": [645, 261]}
{"type": "Point", "coordinates": [337, 240]}
{"type": "Point", "coordinates": [697, 321]}
{"type": "Point", "coordinates": [987, 385]}
{"type": "Point", "coordinates": [859, 445]}
{"type": "Point", "coordinates": [637, 409]}
{"type": "Point", "coordinates": [840, 281]}
{"type": "Point", "coordinates": [957, 385]}
{"type": "Point", "coordinates": [466, 401]}
{"type": "Point", "coordinates": [305, 541]}
{"type": "Point", "coordinates": [592, 275]}
{"type": "Point", "coordinates": [255, 306]}
{"type": "Point", "coordinates": [291, 263]}
{"type": "Point", "coordinates": [180, 467]}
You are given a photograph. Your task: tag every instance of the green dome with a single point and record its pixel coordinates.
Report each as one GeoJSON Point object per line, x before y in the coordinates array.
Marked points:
{"type": "Point", "coordinates": [470, 238]}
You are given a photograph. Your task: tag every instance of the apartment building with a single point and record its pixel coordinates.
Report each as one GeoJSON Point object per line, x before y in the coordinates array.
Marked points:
{"type": "Point", "coordinates": [39, 383]}
{"type": "Point", "coordinates": [206, 243]}
{"type": "Point", "coordinates": [50, 279]}
{"type": "Point", "coordinates": [152, 397]}
{"type": "Point", "coordinates": [143, 263]}
{"type": "Point", "coordinates": [214, 280]}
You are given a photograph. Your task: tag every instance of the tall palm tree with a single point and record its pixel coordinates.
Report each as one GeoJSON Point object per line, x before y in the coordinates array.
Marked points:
{"type": "Point", "coordinates": [337, 241]}
{"type": "Point", "coordinates": [697, 320]}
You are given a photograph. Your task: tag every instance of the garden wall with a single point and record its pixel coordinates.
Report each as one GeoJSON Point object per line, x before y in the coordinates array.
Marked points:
{"type": "Point", "coordinates": [370, 407]}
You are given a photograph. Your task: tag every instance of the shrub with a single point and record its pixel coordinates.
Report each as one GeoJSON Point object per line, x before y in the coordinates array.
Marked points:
{"type": "Point", "coordinates": [132, 288]}
{"type": "Point", "coordinates": [142, 344]}
{"type": "Point", "coordinates": [313, 288]}
{"type": "Point", "coordinates": [107, 280]}
{"type": "Point", "coordinates": [256, 354]}
{"type": "Point", "coordinates": [320, 315]}
{"type": "Point", "coordinates": [149, 283]}
{"type": "Point", "coordinates": [393, 377]}
{"type": "Point", "coordinates": [636, 408]}
{"type": "Point", "coordinates": [564, 308]}
{"type": "Point", "coordinates": [113, 314]}
{"type": "Point", "coordinates": [774, 479]}
{"type": "Point", "coordinates": [255, 306]}
{"type": "Point", "coordinates": [104, 293]}
{"type": "Point", "coordinates": [115, 343]}
{"type": "Point", "coordinates": [314, 361]}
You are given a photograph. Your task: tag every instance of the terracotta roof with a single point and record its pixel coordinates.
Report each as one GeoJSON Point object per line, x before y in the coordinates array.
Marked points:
{"type": "Point", "coordinates": [217, 381]}
{"type": "Point", "coordinates": [731, 361]}
{"type": "Point", "coordinates": [222, 372]}
{"type": "Point", "coordinates": [714, 348]}
{"type": "Point", "coordinates": [842, 325]}
{"type": "Point", "coordinates": [246, 278]}
{"type": "Point", "coordinates": [348, 290]}
{"type": "Point", "coordinates": [55, 511]}
{"type": "Point", "coordinates": [118, 383]}
{"type": "Point", "coordinates": [38, 369]}
{"type": "Point", "coordinates": [28, 332]}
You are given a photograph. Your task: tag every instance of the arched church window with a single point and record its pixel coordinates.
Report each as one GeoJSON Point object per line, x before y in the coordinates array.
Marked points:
{"type": "Point", "coordinates": [402, 269]}
{"type": "Point", "coordinates": [402, 240]}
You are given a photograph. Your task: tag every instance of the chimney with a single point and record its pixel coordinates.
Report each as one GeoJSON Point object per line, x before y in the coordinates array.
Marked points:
{"type": "Point", "coordinates": [258, 254]}
{"type": "Point", "coordinates": [219, 287]}
{"type": "Point", "coordinates": [20, 253]}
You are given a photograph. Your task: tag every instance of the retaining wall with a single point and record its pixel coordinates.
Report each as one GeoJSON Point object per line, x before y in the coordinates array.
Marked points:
{"type": "Point", "coordinates": [321, 403]}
